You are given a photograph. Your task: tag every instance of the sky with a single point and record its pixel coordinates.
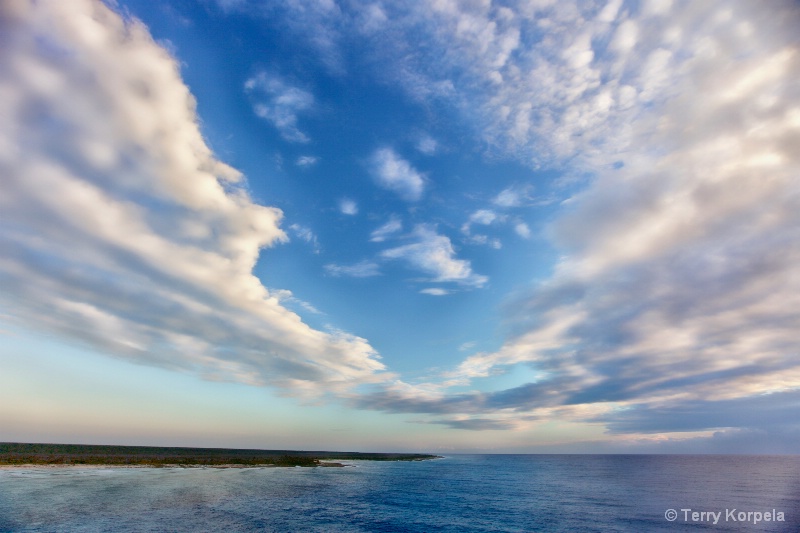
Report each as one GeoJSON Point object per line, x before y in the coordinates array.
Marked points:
{"type": "Point", "coordinates": [475, 226]}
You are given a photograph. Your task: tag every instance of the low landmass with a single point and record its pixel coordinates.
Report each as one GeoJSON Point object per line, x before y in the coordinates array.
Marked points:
{"type": "Point", "coordinates": [22, 454]}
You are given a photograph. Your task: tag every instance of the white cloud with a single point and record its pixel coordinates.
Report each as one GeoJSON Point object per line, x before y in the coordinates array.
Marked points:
{"type": "Point", "coordinates": [514, 196]}
{"type": "Point", "coordinates": [364, 269]}
{"type": "Point", "coordinates": [699, 104]}
{"type": "Point", "coordinates": [306, 234]}
{"type": "Point", "coordinates": [435, 291]}
{"type": "Point", "coordinates": [549, 100]}
{"type": "Point", "coordinates": [485, 241]}
{"type": "Point", "coordinates": [507, 198]}
{"type": "Point", "coordinates": [656, 7]}
{"type": "Point", "coordinates": [315, 24]}
{"type": "Point", "coordinates": [427, 145]}
{"type": "Point", "coordinates": [522, 230]}
{"type": "Point", "coordinates": [348, 206]}
{"type": "Point", "coordinates": [700, 225]}
{"type": "Point", "coordinates": [434, 254]}
{"type": "Point", "coordinates": [121, 230]}
{"type": "Point", "coordinates": [228, 5]}
{"type": "Point", "coordinates": [306, 161]}
{"type": "Point", "coordinates": [483, 217]}
{"type": "Point", "coordinates": [396, 174]}
{"type": "Point", "coordinates": [625, 37]}
{"type": "Point", "coordinates": [278, 102]}
{"type": "Point", "coordinates": [286, 296]}
{"type": "Point", "coordinates": [373, 18]}
{"type": "Point", "coordinates": [391, 227]}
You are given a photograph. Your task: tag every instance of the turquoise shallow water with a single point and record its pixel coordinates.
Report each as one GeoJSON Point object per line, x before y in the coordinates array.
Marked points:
{"type": "Point", "coordinates": [479, 493]}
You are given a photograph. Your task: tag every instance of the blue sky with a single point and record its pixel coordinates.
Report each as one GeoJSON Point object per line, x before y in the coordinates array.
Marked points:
{"type": "Point", "coordinates": [464, 226]}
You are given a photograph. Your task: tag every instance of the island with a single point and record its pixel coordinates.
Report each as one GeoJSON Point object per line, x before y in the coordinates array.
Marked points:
{"type": "Point", "coordinates": [22, 454]}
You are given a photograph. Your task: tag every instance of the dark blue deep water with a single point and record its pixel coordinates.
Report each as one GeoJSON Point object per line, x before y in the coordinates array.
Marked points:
{"type": "Point", "coordinates": [461, 493]}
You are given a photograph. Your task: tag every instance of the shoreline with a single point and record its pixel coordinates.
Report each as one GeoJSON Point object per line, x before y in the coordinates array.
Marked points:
{"type": "Point", "coordinates": [100, 466]}
{"type": "Point", "coordinates": [14, 454]}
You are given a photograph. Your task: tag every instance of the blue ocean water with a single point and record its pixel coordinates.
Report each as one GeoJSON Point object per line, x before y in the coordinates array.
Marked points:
{"type": "Point", "coordinates": [461, 493]}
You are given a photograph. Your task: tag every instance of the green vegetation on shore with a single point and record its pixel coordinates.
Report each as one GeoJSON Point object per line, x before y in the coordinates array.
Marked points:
{"type": "Point", "coordinates": [14, 453]}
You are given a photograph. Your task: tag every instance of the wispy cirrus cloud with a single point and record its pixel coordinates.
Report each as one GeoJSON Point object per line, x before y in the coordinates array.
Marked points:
{"type": "Point", "coordinates": [489, 217]}
{"type": "Point", "coordinates": [394, 173]}
{"type": "Point", "coordinates": [363, 269]}
{"type": "Point", "coordinates": [306, 234]}
{"type": "Point", "coordinates": [120, 228]}
{"type": "Point", "coordinates": [481, 217]}
{"type": "Point", "coordinates": [280, 103]}
{"type": "Point", "coordinates": [285, 296]}
{"type": "Point", "coordinates": [476, 424]}
{"type": "Point", "coordinates": [314, 25]}
{"type": "Point", "coordinates": [391, 227]}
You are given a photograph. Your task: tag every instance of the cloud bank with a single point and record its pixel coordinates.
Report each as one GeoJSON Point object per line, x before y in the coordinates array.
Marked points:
{"type": "Point", "coordinates": [677, 292]}
{"type": "Point", "coordinates": [677, 286]}
{"type": "Point", "coordinates": [121, 230]}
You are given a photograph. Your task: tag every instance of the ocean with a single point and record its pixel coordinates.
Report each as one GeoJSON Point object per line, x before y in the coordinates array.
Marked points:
{"type": "Point", "coordinates": [459, 493]}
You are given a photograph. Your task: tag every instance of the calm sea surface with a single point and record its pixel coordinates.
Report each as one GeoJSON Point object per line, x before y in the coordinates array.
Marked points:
{"type": "Point", "coordinates": [460, 493]}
